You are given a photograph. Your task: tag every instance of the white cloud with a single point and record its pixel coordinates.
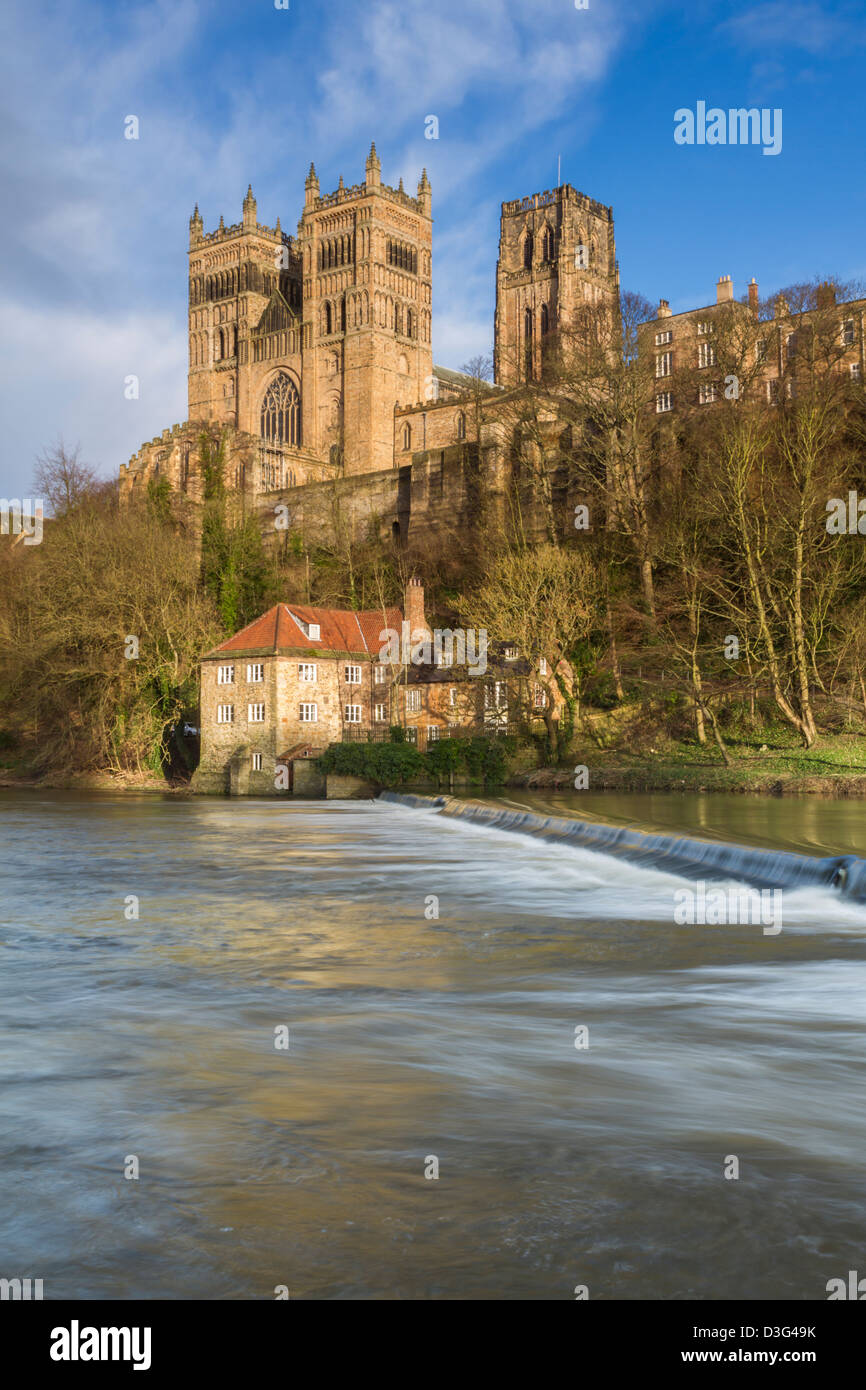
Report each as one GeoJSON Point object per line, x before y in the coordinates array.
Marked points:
{"type": "Point", "coordinates": [67, 370]}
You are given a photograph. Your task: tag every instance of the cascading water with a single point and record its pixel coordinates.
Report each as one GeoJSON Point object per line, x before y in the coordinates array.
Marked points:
{"type": "Point", "coordinates": [674, 853]}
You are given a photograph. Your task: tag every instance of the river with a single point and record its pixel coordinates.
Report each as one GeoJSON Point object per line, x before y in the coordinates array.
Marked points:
{"type": "Point", "coordinates": [420, 1040]}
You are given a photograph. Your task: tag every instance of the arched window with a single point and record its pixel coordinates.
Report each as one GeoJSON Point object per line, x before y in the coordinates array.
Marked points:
{"type": "Point", "coordinates": [545, 319]}
{"type": "Point", "coordinates": [235, 341]}
{"type": "Point", "coordinates": [328, 320]}
{"type": "Point", "coordinates": [461, 426]}
{"type": "Point", "coordinates": [343, 314]}
{"type": "Point", "coordinates": [281, 412]}
{"type": "Point", "coordinates": [407, 436]}
{"type": "Point", "coordinates": [548, 252]}
{"type": "Point", "coordinates": [527, 343]}
{"type": "Point", "coordinates": [527, 251]}
{"type": "Point", "coordinates": [410, 324]}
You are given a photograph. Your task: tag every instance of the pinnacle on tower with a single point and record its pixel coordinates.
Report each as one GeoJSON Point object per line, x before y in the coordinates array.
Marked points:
{"type": "Point", "coordinates": [195, 226]}
{"type": "Point", "coordinates": [249, 208]}
{"type": "Point", "coordinates": [374, 167]}
{"type": "Point", "coordinates": [400, 188]}
{"type": "Point", "coordinates": [424, 192]}
{"type": "Point", "coordinates": [311, 187]}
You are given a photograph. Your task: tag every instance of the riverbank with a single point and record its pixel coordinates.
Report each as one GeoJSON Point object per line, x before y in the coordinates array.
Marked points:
{"type": "Point", "coordinates": [835, 767]}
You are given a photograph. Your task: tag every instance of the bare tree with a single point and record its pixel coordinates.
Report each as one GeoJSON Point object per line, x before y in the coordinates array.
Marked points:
{"type": "Point", "coordinates": [62, 479]}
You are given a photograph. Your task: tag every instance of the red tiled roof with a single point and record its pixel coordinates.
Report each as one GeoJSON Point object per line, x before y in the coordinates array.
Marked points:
{"type": "Point", "coordinates": [340, 630]}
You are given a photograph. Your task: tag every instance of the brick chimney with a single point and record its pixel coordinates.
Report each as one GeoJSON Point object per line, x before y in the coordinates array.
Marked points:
{"type": "Point", "coordinates": [724, 289]}
{"type": "Point", "coordinates": [414, 609]}
{"type": "Point", "coordinates": [664, 310]}
{"type": "Point", "coordinates": [753, 295]}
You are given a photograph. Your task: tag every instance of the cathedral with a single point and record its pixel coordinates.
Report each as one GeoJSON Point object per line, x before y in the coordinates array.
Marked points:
{"type": "Point", "coordinates": [314, 352]}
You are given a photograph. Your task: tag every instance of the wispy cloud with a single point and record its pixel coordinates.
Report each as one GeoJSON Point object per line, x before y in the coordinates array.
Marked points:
{"type": "Point", "coordinates": [814, 28]}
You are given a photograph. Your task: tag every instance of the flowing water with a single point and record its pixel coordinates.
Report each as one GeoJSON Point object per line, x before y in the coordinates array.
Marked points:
{"type": "Point", "coordinates": [413, 1037]}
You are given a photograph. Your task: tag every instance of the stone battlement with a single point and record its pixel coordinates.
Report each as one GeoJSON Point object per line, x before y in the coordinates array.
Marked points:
{"type": "Point", "coordinates": [565, 192]}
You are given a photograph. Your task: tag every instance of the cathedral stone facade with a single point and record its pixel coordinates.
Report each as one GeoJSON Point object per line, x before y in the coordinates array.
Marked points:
{"type": "Point", "coordinates": [312, 354]}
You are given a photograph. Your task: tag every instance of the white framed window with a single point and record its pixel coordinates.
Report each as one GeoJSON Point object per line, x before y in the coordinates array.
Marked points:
{"type": "Point", "coordinates": [663, 363]}
{"type": "Point", "coordinates": [706, 395]}
{"type": "Point", "coordinates": [255, 714]}
{"type": "Point", "coordinates": [380, 674]}
{"type": "Point", "coordinates": [255, 671]}
{"type": "Point", "coordinates": [225, 675]}
{"type": "Point", "coordinates": [307, 671]}
{"type": "Point", "coordinates": [772, 389]}
{"type": "Point", "coordinates": [542, 665]}
{"type": "Point", "coordinates": [848, 333]}
{"type": "Point", "coordinates": [309, 714]}
{"type": "Point", "coordinates": [790, 345]}
{"type": "Point", "coordinates": [762, 349]}
{"type": "Point", "coordinates": [314, 632]}
{"type": "Point", "coordinates": [706, 355]}
{"type": "Point", "coordinates": [539, 697]}
{"type": "Point", "coordinates": [353, 675]}
{"type": "Point", "coordinates": [353, 714]}
{"type": "Point", "coordinates": [665, 337]}
{"type": "Point", "coordinates": [705, 326]}
{"type": "Point", "coordinates": [257, 762]}
{"type": "Point", "coordinates": [664, 402]}
{"type": "Point", "coordinates": [495, 695]}
{"type": "Point", "coordinates": [380, 713]}
{"type": "Point", "coordinates": [225, 714]}
{"type": "Point", "coordinates": [855, 370]}
{"type": "Point", "coordinates": [433, 733]}
{"type": "Point", "coordinates": [510, 653]}
{"type": "Point", "coordinates": [413, 700]}
{"type": "Point", "coordinates": [411, 734]}
{"type": "Point", "coordinates": [452, 696]}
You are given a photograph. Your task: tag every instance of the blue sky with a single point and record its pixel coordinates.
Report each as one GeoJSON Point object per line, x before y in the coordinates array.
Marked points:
{"type": "Point", "coordinates": [95, 227]}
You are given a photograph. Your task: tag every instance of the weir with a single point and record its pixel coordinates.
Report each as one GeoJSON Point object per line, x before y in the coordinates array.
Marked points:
{"type": "Point", "coordinates": [678, 854]}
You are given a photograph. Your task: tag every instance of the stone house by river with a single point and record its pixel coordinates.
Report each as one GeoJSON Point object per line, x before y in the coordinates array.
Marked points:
{"type": "Point", "coordinates": [298, 678]}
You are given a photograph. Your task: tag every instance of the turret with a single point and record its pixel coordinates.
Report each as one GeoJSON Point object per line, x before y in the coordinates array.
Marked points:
{"type": "Point", "coordinates": [250, 218]}
{"type": "Point", "coordinates": [425, 193]}
{"type": "Point", "coordinates": [196, 227]}
{"type": "Point", "coordinates": [311, 188]}
{"type": "Point", "coordinates": [373, 168]}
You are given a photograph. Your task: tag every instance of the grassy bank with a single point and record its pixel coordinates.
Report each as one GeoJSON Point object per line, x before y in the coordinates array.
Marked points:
{"type": "Point", "coordinates": [833, 767]}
